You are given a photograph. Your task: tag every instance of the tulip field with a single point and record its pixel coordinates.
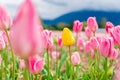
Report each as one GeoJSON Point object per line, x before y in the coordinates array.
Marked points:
{"type": "Point", "coordinates": [30, 52]}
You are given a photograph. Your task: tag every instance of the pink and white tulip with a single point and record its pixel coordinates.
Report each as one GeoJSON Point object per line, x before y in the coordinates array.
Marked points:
{"type": "Point", "coordinates": [88, 32]}
{"type": "Point", "coordinates": [55, 55]}
{"type": "Point", "coordinates": [94, 43]}
{"type": "Point", "coordinates": [75, 58]}
{"type": "Point", "coordinates": [106, 47]}
{"type": "Point", "coordinates": [108, 26]}
{"type": "Point", "coordinates": [25, 36]}
{"type": "Point", "coordinates": [113, 54]}
{"type": "Point", "coordinates": [5, 19]}
{"type": "Point", "coordinates": [115, 33]}
{"type": "Point", "coordinates": [36, 64]}
{"type": "Point", "coordinates": [80, 42]}
{"type": "Point", "coordinates": [92, 24]}
{"type": "Point", "coordinates": [77, 26]}
{"type": "Point", "coordinates": [22, 64]}
{"type": "Point", "coordinates": [48, 39]}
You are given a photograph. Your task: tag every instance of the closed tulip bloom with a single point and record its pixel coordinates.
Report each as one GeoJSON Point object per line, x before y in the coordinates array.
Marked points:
{"type": "Point", "coordinates": [88, 47]}
{"type": "Point", "coordinates": [55, 55]}
{"type": "Point", "coordinates": [22, 64]}
{"type": "Point", "coordinates": [77, 26]}
{"type": "Point", "coordinates": [94, 43]}
{"type": "Point", "coordinates": [67, 37]}
{"type": "Point", "coordinates": [92, 24]}
{"type": "Point", "coordinates": [36, 64]}
{"type": "Point", "coordinates": [115, 33]}
{"type": "Point", "coordinates": [5, 19]}
{"type": "Point", "coordinates": [88, 32]}
{"type": "Point", "coordinates": [108, 26]}
{"type": "Point", "coordinates": [106, 47]}
{"type": "Point", "coordinates": [60, 42]}
{"type": "Point", "coordinates": [75, 58]}
{"type": "Point", "coordinates": [25, 35]}
{"type": "Point", "coordinates": [113, 54]}
{"type": "Point", "coordinates": [48, 39]}
{"type": "Point", "coordinates": [80, 42]}
{"type": "Point", "coordinates": [2, 42]}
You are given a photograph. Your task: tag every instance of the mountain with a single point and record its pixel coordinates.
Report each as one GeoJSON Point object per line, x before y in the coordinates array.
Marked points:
{"type": "Point", "coordinates": [114, 17]}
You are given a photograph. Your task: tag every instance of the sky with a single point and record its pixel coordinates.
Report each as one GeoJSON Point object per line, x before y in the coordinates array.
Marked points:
{"type": "Point", "coordinates": [51, 9]}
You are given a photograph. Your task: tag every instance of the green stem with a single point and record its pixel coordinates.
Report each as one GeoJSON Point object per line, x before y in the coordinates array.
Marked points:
{"type": "Point", "coordinates": [13, 58]}
{"type": "Point", "coordinates": [77, 69]}
{"type": "Point", "coordinates": [48, 64]}
{"type": "Point", "coordinates": [106, 68]}
{"type": "Point", "coordinates": [71, 71]}
{"type": "Point", "coordinates": [26, 75]}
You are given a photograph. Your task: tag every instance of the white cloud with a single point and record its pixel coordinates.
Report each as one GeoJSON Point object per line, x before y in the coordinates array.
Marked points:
{"type": "Point", "coordinates": [51, 9]}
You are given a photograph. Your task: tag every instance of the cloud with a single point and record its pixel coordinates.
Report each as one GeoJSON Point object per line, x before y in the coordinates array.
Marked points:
{"type": "Point", "coordinates": [51, 9]}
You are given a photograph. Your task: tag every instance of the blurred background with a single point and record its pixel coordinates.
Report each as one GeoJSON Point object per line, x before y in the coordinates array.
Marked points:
{"type": "Point", "coordinates": [57, 14]}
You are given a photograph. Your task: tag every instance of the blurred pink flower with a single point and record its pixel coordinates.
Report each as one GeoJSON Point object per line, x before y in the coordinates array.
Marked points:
{"type": "Point", "coordinates": [26, 35]}
{"type": "Point", "coordinates": [0, 60]}
{"type": "Point", "coordinates": [113, 54]}
{"type": "Point", "coordinates": [75, 58]}
{"type": "Point", "coordinates": [60, 42]}
{"type": "Point", "coordinates": [36, 64]}
{"type": "Point", "coordinates": [108, 26]}
{"type": "Point", "coordinates": [106, 47]}
{"type": "Point", "coordinates": [94, 43]}
{"type": "Point", "coordinates": [55, 55]}
{"type": "Point", "coordinates": [92, 24]}
{"type": "Point", "coordinates": [22, 64]}
{"type": "Point", "coordinates": [48, 39]}
{"type": "Point", "coordinates": [80, 42]}
{"type": "Point", "coordinates": [77, 26]}
{"type": "Point", "coordinates": [2, 42]}
{"type": "Point", "coordinates": [88, 32]}
{"type": "Point", "coordinates": [5, 19]}
{"type": "Point", "coordinates": [115, 33]}
{"type": "Point", "coordinates": [88, 47]}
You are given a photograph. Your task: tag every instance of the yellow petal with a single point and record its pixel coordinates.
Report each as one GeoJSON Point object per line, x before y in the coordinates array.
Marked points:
{"type": "Point", "coordinates": [67, 37]}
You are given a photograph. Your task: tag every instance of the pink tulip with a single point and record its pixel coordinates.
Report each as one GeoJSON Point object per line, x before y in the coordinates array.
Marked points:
{"type": "Point", "coordinates": [108, 26]}
{"type": "Point", "coordinates": [88, 47]}
{"type": "Point", "coordinates": [94, 43]}
{"type": "Point", "coordinates": [113, 54]}
{"type": "Point", "coordinates": [55, 55]}
{"type": "Point", "coordinates": [81, 49]}
{"type": "Point", "coordinates": [77, 26]}
{"type": "Point", "coordinates": [92, 24]}
{"type": "Point", "coordinates": [80, 42]}
{"type": "Point", "coordinates": [115, 33]}
{"type": "Point", "coordinates": [22, 64]}
{"type": "Point", "coordinates": [2, 42]}
{"type": "Point", "coordinates": [25, 36]}
{"type": "Point", "coordinates": [48, 39]}
{"type": "Point", "coordinates": [5, 19]}
{"type": "Point", "coordinates": [75, 58]}
{"type": "Point", "coordinates": [0, 60]}
{"type": "Point", "coordinates": [106, 47]}
{"type": "Point", "coordinates": [88, 32]}
{"type": "Point", "coordinates": [60, 42]}
{"type": "Point", "coordinates": [36, 64]}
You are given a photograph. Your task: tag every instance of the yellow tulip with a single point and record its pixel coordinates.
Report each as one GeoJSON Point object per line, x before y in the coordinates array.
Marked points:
{"type": "Point", "coordinates": [67, 37]}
